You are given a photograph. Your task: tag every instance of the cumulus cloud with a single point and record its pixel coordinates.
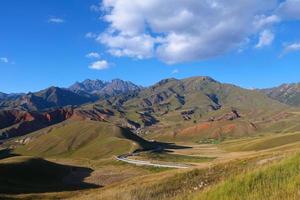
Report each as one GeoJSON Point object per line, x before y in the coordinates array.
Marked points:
{"type": "Point", "coordinates": [56, 20]}
{"type": "Point", "coordinates": [4, 60]}
{"type": "Point", "coordinates": [266, 38]}
{"type": "Point", "coordinates": [137, 46]}
{"type": "Point", "coordinates": [99, 65]}
{"type": "Point", "coordinates": [93, 55]}
{"type": "Point", "coordinates": [290, 48]}
{"type": "Point", "coordinates": [177, 31]}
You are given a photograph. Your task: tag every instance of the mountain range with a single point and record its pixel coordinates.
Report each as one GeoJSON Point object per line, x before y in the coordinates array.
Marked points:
{"type": "Point", "coordinates": [79, 93]}
{"type": "Point", "coordinates": [101, 88]}
{"type": "Point", "coordinates": [169, 109]}
{"type": "Point", "coordinates": [92, 90]}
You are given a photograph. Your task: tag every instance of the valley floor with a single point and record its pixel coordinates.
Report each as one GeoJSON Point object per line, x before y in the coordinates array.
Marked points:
{"type": "Point", "coordinates": [249, 168]}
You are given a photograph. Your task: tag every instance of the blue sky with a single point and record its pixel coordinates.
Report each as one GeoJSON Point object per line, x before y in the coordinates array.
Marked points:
{"type": "Point", "coordinates": [44, 43]}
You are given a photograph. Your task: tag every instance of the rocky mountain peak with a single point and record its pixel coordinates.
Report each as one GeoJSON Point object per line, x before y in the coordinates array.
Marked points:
{"type": "Point", "coordinates": [116, 86]}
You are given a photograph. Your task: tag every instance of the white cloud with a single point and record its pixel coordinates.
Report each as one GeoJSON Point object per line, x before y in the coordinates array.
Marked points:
{"type": "Point", "coordinates": [290, 48]}
{"type": "Point", "coordinates": [56, 20]}
{"type": "Point", "coordinates": [265, 39]}
{"type": "Point", "coordinates": [93, 55]}
{"type": "Point", "coordinates": [99, 65]}
{"type": "Point", "coordinates": [139, 46]}
{"type": "Point", "coordinates": [4, 60]}
{"type": "Point", "coordinates": [290, 9]}
{"type": "Point", "coordinates": [263, 21]}
{"type": "Point", "coordinates": [177, 31]}
{"type": "Point", "coordinates": [175, 71]}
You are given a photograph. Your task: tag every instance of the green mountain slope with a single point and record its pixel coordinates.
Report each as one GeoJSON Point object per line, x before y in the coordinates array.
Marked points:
{"type": "Point", "coordinates": [198, 96]}
{"type": "Point", "coordinates": [170, 106]}
{"type": "Point", "coordinates": [81, 139]}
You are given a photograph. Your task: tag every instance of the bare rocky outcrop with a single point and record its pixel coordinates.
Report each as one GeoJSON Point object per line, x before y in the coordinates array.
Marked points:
{"type": "Point", "coordinates": [187, 114]}
{"type": "Point", "coordinates": [94, 115]}
{"type": "Point", "coordinates": [17, 123]}
{"type": "Point", "coordinates": [230, 116]}
{"type": "Point", "coordinates": [233, 115]}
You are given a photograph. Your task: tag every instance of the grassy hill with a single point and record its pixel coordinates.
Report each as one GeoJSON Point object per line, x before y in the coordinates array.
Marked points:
{"type": "Point", "coordinates": [81, 139]}
{"type": "Point", "coordinates": [234, 179]}
{"type": "Point", "coordinates": [280, 181]}
{"type": "Point", "coordinates": [262, 143]}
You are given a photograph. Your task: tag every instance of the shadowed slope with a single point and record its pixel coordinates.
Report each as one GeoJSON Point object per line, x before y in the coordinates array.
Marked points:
{"type": "Point", "coordinates": [31, 175]}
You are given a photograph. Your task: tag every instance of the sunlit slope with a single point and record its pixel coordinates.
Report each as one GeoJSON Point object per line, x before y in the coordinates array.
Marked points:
{"type": "Point", "coordinates": [195, 108]}
{"type": "Point", "coordinates": [200, 93]}
{"type": "Point", "coordinates": [82, 139]}
{"type": "Point", "coordinates": [280, 181]}
{"type": "Point", "coordinates": [262, 143]}
{"type": "Point", "coordinates": [241, 179]}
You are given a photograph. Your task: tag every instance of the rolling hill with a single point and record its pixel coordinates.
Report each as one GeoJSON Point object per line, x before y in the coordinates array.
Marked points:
{"type": "Point", "coordinates": [81, 139]}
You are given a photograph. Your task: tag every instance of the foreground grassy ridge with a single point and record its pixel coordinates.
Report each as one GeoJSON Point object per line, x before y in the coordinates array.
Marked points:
{"type": "Point", "coordinates": [263, 143]}
{"type": "Point", "coordinates": [237, 180]}
{"type": "Point", "coordinates": [88, 139]}
{"type": "Point", "coordinates": [168, 185]}
{"type": "Point", "coordinates": [281, 181]}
